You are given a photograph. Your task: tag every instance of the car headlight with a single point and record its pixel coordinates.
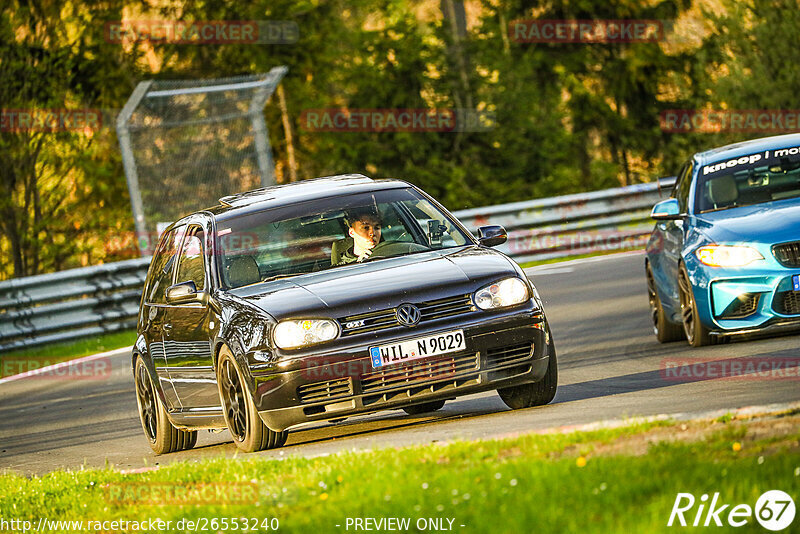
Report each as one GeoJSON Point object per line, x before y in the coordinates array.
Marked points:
{"type": "Point", "coordinates": [727, 255]}
{"type": "Point", "coordinates": [504, 293]}
{"type": "Point", "coordinates": [293, 334]}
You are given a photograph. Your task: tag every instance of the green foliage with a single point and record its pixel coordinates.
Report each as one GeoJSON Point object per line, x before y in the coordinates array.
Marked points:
{"type": "Point", "coordinates": [569, 117]}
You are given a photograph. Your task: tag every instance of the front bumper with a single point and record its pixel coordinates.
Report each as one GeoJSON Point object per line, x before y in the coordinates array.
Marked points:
{"type": "Point", "coordinates": [502, 351]}
{"type": "Point", "coordinates": [758, 296]}
{"type": "Point", "coordinates": [751, 302]}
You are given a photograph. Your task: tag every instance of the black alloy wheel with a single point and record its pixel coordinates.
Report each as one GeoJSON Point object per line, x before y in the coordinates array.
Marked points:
{"type": "Point", "coordinates": [249, 432]}
{"type": "Point", "coordinates": [163, 436]}
{"type": "Point", "coordinates": [696, 334]}
{"type": "Point", "coordinates": [233, 396]}
{"type": "Point", "coordinates": [146, 397]}
{"type": "Point", "coordinates": [664, 329]}
{"type": "Point", "coordinates": [539, 393]}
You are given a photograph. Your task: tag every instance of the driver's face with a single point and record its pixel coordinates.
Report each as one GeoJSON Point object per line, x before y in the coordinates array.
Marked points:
{"type": "Point", "coordinates": [366, 232]}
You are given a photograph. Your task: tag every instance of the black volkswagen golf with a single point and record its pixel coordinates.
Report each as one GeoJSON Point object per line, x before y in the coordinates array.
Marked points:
{"type": "Point", "coordinates": [325, 299]}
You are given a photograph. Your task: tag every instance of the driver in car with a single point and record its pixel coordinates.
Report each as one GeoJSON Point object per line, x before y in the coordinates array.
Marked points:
{"type": "Point", "coordinates": [365, 229]}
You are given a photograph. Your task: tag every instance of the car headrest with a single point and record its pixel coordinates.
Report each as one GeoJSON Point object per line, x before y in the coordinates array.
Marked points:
{"type": "Point", "coordinates": [242, 271]}
{"type": "Point", "coordinates": [723, 190]}
{"type": "Point", "coordinates": [338, 248]}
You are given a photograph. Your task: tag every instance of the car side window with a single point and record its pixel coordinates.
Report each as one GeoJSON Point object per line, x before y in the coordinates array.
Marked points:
{"type": "Point", "coordinates": [682, 187]}
{"type": "Point", "coordinates": [163, 263]}
{"type": "Point", "coordinates": [191, 265]}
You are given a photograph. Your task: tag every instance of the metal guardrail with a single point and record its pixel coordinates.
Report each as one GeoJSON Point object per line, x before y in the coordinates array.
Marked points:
{"type": "Point", "coordinates": [72, 304]}
{"type": "Point", "coordinates": [558, 227]}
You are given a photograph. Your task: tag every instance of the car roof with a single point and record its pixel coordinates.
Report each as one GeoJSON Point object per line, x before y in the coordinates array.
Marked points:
{"type": "Point", "coordinates": [282, 195]}
{"type": "Point", "coordinates": [744, 148]}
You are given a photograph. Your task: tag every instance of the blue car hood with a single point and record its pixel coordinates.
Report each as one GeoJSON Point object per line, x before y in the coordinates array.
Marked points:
{"type": "Point", "coordinates": [770, 222]}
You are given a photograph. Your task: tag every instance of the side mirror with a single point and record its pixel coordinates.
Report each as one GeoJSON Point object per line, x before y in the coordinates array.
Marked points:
{"type": "Point", "coordinates": [185, 292]}
{"type": "Point", "coordinates": [666, 210]}
{"type": "Point", "coordinates": [491, 236]}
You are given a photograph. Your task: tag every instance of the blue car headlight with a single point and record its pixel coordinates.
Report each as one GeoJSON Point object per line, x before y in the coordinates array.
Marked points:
{"type": "Point", "coordinates": [507, 292]}
{"type": "Point", "coordinates": [727, 255]}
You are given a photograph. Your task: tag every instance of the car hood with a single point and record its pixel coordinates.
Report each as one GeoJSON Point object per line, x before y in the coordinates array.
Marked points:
{"type": "Point", "coordinates": [769, 223]}
{"type": "Point", "coordinates": [378, 285]}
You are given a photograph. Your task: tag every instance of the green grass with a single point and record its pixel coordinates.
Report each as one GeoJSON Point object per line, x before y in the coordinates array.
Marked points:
{"type": "Point", "coordinates": [22, 360]}
{"type": "Point", "coordinates": [556, 483]}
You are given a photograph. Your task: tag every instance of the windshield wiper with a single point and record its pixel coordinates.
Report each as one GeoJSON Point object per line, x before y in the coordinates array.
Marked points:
{"type": "Point", "coordinates": [734, 205]}
{"type": "Point", "coordinates": [278, 276]}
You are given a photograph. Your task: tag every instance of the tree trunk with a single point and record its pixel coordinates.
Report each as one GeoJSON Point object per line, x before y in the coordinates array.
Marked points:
{"type": "Point", "coordinates": [287, 130]}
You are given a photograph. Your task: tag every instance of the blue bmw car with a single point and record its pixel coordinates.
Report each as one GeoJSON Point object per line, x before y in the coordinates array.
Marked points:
{"type": "Point", "coordinates": [724, 256]}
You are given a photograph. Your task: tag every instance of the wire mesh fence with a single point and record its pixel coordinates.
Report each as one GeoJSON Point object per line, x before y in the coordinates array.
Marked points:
{"type": "Point", "coordinates": [187, 143]}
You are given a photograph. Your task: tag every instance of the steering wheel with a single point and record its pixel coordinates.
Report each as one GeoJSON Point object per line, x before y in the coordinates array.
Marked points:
{"type": "Point", "coordinates": [394, 248]}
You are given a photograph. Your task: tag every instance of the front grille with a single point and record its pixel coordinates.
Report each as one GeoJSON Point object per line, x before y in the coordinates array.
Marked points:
{"type": "Point", "coordinates": [419, 373]}
{"type": "Point", "coordinates": [788, 254]}
{"type": "Point", "coordinates": [743, 306]}
{"type": "Point", "coordinates": [421, 378]}
{"type": "Point", "coordinates": [508, 355]}
{"type": "Point", "coordinates": [787, 302]}
{"type": "Point", "coordinates": [319, 391]}
{"type": "Point", "coordinates": [383, 319]}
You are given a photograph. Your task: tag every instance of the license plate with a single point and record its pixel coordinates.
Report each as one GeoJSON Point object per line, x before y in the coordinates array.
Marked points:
{"type": "Point", "coordinates": [416, 349]}
{"type": "Point", "coordinates": [796, 282]}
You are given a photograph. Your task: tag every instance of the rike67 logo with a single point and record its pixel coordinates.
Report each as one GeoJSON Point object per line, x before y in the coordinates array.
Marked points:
{"type": "Point", "coordinates": [774, 510]}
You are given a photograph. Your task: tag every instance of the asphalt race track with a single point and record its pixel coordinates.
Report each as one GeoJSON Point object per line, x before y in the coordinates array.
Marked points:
{"type": "Point", "coordinates": [610, 367]}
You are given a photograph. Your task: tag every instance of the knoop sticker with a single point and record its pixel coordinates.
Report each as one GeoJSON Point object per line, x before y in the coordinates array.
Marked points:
{"type": "Point", "coordinates": [774, 510]}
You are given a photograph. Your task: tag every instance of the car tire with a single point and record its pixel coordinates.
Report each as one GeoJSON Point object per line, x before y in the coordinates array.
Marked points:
{"type": "Point", "coordinates": [419, 409]}
{"type": "Point", "coordinates": [696, 334]}
{"type": "Point", "coordinates": [159, 431]}
{"type": "Point", "coordinates": [665, 330]}
{"type": "Point", "coordinates": [249, 432]}
{"type": "Point", "coordinates": [536, 394]}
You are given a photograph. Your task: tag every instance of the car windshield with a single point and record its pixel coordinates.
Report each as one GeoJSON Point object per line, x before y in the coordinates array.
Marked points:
{"type": "Point", "coordinates": [316, 235]}
{"type": "Point", "coordinates": [745, 185]}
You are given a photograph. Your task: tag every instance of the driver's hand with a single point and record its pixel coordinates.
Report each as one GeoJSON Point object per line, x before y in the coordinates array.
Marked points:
{"type": "Point", "coordinates": [364, 255]}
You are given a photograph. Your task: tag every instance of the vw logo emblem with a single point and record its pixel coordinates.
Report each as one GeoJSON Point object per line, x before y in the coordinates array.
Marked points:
{"type": "Point", "coordinates": [408, 315]}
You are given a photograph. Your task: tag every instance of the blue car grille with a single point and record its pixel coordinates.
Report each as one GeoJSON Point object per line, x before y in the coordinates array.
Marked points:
{"type": "Point", "coordinates": [787, 302]}
{"type": "Point", "coordinates": [787, 254]}
{"type": "Point", "coordinates": [382, 319]}
{"type": "Point", "coordinates": [742, 307]}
